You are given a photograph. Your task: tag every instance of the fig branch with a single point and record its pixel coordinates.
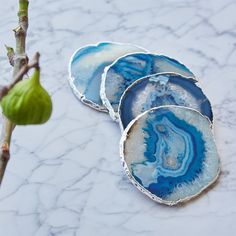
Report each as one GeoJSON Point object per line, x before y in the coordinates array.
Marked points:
{"type": "Point", "coordinates": [18, 59]}
{"type": "Point", "coordinates": [24, 70]}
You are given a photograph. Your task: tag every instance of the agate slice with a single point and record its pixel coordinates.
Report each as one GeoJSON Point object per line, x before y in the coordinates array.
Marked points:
{"type": "Point", "coordinates": [86, 68]}
{"type": "Point", "coordinates": [125, 70]}
{"type": "Point", "coordinates": [158, 90]}
{"type": "Point", "coordinates": [169, 154]}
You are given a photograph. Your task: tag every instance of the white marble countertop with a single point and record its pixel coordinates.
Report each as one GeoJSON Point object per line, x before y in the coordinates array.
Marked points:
{"type": "Point", "coordinates": [65, 177]}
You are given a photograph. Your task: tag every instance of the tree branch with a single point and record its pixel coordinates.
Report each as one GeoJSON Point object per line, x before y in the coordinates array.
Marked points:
{"type": "Point", "coordinates": [24, 70]}
{"type": "Point", "coordinates": [20, 59]}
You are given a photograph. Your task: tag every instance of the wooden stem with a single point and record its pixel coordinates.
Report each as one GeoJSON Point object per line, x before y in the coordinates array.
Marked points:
{"type": "Point", "coordinates": [20, 59]}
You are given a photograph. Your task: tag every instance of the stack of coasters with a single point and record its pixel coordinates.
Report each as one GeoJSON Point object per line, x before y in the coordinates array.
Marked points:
{"type": "Point", "coordinates": [167, 145]}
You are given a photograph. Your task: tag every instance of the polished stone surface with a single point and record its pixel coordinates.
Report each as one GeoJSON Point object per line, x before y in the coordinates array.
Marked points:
{"type": "Point", "coordinates": [65, 177]}
{"type": "Point", "coordinates": [87, 65]}
{"type": "Point", "coordinates": [162, 89]}
{"type": "Point", "coordinates": [126, 70]}
{"type": "Point", "coordinates": [170, 154]}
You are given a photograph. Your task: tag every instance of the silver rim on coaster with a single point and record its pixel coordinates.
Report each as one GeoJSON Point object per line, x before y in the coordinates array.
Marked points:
{"type": "Point", "coordinates": [114, 115]}
{"type": "Point", "coordinates": [197, 83]}
{"type": "Point", "coordinates": [71, 79]}
{"type": "Point", "coordinates": [125, 136]}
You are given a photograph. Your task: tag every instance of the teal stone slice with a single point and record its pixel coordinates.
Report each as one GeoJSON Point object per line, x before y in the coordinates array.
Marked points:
{"type": "Point", "coordinates": [86, 68]}
{"type": "Point", "coordinates": [169, 153]}
{"type": "Point", "coordinates": [162, 89]}
{"type": "Point", "coordinates": [126, 70]}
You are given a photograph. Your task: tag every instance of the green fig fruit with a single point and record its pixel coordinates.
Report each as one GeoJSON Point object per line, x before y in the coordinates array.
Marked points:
{"type": "Point", "coordinates": [27, 102]}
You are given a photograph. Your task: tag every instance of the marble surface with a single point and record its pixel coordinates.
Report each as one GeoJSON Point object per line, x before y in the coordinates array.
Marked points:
{"type": "Point", "coordinates": [65, 177]}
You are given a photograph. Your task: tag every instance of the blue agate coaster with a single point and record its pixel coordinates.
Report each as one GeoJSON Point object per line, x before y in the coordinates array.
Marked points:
{"type": "Point", "coordinates": [162, 89]}
{"type": "Point", "coordinates": [86, 68]}
{"type": "Point", "coordinates": [125, 70]}
{"type": "Point", "coordinates": [169, 154]}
